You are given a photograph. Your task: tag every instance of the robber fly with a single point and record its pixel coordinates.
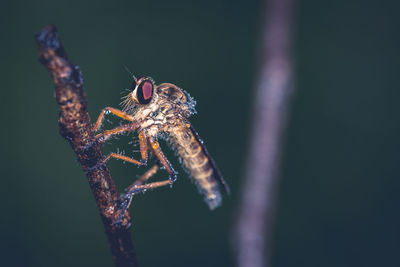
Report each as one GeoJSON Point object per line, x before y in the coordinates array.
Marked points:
{"type": "Point", "coordinates": [162, 111]}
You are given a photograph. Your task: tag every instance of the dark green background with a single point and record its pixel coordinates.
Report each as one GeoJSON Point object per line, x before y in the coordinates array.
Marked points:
{"type": "Point", "coordinates": [338, 197]}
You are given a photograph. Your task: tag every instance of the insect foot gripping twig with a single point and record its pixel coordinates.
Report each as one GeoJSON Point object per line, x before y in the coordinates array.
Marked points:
{"type": "Point", "coordinates": [75, 126]}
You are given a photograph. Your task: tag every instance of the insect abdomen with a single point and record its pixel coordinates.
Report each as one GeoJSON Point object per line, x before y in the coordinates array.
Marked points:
{"type": "Point", "coordinates": [198, 163]}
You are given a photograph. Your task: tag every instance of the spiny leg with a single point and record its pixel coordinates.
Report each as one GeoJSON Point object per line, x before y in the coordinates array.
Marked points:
{"type": "Point", "coordinates": [146, 176]}
{"type": "Point", "coordinates": [127, 198]}
{"type": "Point", "coordinates": [116, 112]}
{"type": "Point", "coordinates": [143, 153]}
{"type": "Point", "coordinates": [138, 185]}
{"type": "Point", "coordinates": [122, 157]}
{"type": "Point", "coordinates": [156, 150]}
{"type": "Point", "coordinates": [105, 135]}
{"type": "Point", "coordinates": [143, 146]}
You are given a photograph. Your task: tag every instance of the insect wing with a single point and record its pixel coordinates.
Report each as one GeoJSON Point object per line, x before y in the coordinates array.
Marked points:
{"type": "Point", "coordinates": [217, 173]}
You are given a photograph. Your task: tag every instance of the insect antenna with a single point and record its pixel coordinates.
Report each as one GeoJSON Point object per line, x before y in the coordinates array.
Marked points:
{"type": "Point", "coordinates": [131, 73]}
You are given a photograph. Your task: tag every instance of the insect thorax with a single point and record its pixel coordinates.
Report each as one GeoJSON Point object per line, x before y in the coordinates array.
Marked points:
{"type": "Point", "coordinates": [169, 109]}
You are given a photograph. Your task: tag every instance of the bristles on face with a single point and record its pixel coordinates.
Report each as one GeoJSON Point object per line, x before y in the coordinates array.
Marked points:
{"type": "Point", "coordinates": [127, 103]}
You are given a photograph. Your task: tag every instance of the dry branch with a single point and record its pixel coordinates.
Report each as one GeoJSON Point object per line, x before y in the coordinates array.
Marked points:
{"type": "Point", "coordinates": [254, 228]}
{"type": "Point", "coordinates": [75, 126]}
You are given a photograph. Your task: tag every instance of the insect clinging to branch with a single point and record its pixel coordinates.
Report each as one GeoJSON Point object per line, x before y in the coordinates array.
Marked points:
{"type": "Point", "coordinates": [163, 110]}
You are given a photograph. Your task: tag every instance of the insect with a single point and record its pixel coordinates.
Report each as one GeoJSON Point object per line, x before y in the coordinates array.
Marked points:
{"type": "Point", "coordinates": [162, 111]}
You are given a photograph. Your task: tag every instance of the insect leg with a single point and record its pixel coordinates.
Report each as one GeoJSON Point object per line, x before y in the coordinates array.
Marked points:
{"type": "Point", "coordinates": [143, 153]}
{"type": "Point", "coordinates": [146, 176]}
{"type": "Point", "coordinates": [105, 135]}
{"type": "Point", "coordinates": [139, 187]}
{"type": "Point", "coordinates": [143, 147]}
{"type": "Point", "coordinates": [156, 150]}
{"type": "Point", "coordinates": [114, 111]}
{"type": "Point", "coordinates": [125, 200]}
{"type": "Point", "coordinates": [122, 157]}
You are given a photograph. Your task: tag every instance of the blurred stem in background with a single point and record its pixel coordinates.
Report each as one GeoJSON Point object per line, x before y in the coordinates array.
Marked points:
{"type": "Point", "coordinates": [273, 92]}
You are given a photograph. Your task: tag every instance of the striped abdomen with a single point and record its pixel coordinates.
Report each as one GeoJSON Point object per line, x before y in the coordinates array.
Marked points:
{"type": "Point", "coordinates": [198, 163]}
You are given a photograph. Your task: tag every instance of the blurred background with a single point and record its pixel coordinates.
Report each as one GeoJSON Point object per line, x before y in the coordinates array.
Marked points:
{"type": "Point", "coordinates": [338, 196]}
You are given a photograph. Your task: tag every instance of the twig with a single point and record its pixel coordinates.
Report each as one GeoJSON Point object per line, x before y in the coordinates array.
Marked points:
{"type": "Point", "coordinates": [254, 227]}
{"type": "Point", "coordinates": [75, 126]}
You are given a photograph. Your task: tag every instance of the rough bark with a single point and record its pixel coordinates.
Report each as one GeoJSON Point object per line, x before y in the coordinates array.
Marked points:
{"type": "Point", "coordinates": [75, 126]}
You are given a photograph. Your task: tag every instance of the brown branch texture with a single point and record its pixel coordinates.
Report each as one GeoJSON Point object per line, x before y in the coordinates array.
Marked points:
{"type": "Point", "coordinates": [75, 126]}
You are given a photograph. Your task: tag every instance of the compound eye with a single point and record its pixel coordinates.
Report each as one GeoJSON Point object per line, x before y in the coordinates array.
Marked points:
{"type": "Point", "coordinates": [145, 92]}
